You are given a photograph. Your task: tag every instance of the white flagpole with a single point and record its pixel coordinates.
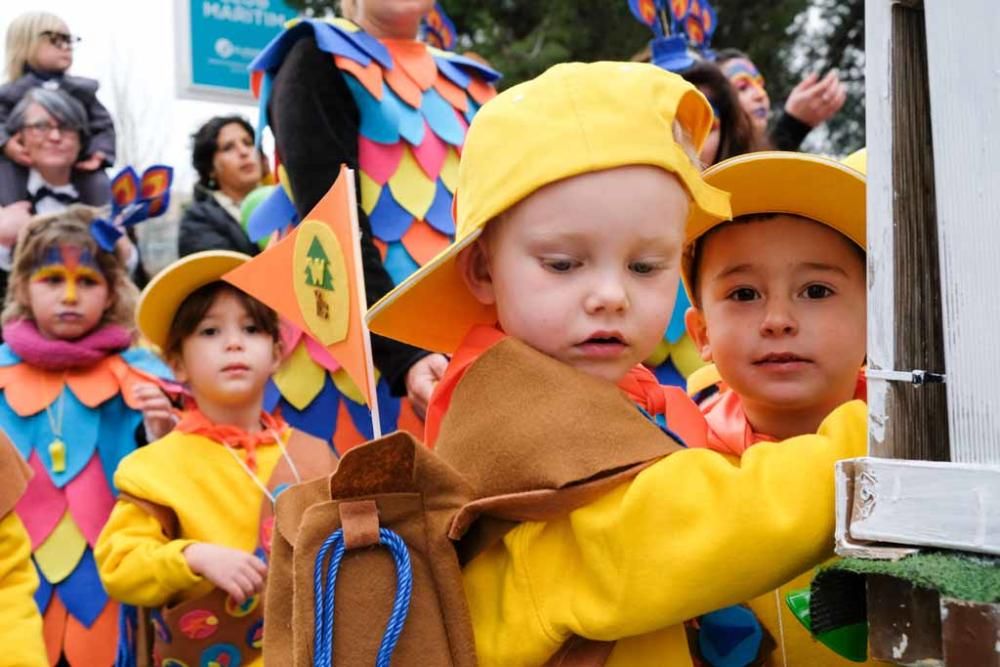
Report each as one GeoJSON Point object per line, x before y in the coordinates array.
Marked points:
{"type": "Point", "coordinates": [360, 297]}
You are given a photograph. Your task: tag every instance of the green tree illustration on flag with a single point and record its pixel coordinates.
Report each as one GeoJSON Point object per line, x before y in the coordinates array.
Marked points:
{"type": "Point", "coordinates": [318, 269]}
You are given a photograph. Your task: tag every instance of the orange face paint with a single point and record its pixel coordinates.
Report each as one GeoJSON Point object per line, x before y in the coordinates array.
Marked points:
{"type": "Point", "coordinates": [67, 264]}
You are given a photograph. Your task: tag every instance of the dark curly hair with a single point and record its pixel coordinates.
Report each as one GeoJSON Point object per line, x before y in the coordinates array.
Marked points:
{"type": "Point", "coordinates": [206, 143]}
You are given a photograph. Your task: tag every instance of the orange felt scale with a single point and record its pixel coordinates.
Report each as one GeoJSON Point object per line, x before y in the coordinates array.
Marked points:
{"type": "Point", "coordinates": [369, 76]}
{"type": "Point", "coordinates": [415, 61]}
{"type": "Point", "coordinates": [423, 242]}
{"type": "Point", "coordinates": [92, 386]}
{"type": "Point", "coordinates": [454, 95]}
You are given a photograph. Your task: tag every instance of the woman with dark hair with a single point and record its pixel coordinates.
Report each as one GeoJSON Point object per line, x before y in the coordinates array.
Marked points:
{"type": "Point", "coordinates": [229, 168]}
{"type": "Point", "coordinates": [811, 103]}
{"type": "Point", "coordinates": [732, 132]}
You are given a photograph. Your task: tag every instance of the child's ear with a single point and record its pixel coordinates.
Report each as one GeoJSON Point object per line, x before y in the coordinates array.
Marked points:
{"type": "Point", "coordinates": [177, 366]}
{"type": "Point", "coordinates": [694, 321]}
{"type": "Point", "coordinates": [277, 352]}
{"type": "Point", "coordinates": [473, 266]}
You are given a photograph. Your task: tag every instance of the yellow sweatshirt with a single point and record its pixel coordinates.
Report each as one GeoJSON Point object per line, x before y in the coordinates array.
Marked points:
{"type": "Point", "coordinates": [20, 622]}
{"type": "Point", "coordinates": [694, 532]}
{"type": "Point", "coordinates": [215, 501]}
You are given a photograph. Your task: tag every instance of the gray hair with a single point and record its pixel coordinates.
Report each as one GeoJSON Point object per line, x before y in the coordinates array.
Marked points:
{"type": "Point", "coordinates": [61, 106]}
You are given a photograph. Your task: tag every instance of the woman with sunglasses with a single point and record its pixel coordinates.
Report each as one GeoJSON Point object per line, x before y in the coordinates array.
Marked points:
{"type": "Point", "coordinates": [39, 53]}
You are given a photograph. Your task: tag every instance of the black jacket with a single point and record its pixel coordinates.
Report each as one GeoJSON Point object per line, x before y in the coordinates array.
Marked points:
{"type": "Point", "coordinates": [316, 124]}
{"type": "Point", "coordinates": [205, 225]}
{"type": "Point", "coordinates": [788, 132]}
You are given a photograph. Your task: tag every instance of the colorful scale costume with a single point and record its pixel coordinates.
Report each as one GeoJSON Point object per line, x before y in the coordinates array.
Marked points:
{"type": "Point", "coordinates": [72, 427]}
{"type": "Point", "coordinates": [414, 103]}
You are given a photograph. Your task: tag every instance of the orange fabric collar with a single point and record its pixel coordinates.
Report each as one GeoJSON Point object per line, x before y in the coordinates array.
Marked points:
{"type": "Point", "coordinates": [194, 421]}
{"type": "Point", "coordinates": [729, 430]}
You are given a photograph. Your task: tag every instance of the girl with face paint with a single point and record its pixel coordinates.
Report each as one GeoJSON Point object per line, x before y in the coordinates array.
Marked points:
{"type": "Point", "coordinates": [72, 392]}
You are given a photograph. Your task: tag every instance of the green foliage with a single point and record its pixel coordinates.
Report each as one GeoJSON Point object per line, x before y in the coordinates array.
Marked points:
{"type": "Point", "coordinates": [522, 38]}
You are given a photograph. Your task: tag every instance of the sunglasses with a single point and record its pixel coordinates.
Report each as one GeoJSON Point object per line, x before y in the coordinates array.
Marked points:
{"type": "Point", "coordinates": [60, 40]}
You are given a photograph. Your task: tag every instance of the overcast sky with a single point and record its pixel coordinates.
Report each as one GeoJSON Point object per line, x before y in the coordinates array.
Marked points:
{"type": "Point", "coordinates": [133, 41]}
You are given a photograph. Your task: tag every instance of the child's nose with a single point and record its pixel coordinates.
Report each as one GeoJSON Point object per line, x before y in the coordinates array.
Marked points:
{"type": "Point", "coordinates": [779, 320]}
{"type": "Point", "coordinates": [607, 295]}
{"type": "Point", "coordinates": [234, 340]}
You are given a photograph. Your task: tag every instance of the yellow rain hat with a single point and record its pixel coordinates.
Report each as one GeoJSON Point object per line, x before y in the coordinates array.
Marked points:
{"type": "Point", "coordinates": [573, 119]}
{"type": "Point", "coordinates": [164, 294]}
{"type": "Point", "coordinates": [810, 186]}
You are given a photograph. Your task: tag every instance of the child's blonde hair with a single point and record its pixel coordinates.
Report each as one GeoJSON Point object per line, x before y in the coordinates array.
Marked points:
{"type": "Point", "coordinates": [71, 226]}
{"type": "Point", "coordinates": [23, 36]}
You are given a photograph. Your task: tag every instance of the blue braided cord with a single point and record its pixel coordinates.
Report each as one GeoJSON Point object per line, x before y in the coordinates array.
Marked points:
{"type": "Point", "coordinates": [322, 649]}
{"type": "Point", "coordinates": [128, 620]}
{"type": "Point", "coordinates": [401, 605]}
{"type": "Point", "coordinates": [323, 623]}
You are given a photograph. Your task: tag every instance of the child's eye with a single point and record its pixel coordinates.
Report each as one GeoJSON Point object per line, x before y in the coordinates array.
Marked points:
{"type": "Point", "coordinates": [560, 264]}
{"type": "Point", "coordinates": [743, 294]}
{"type": "Point", "coordinates": [89, 282]}
{"type": "Point", "coordinates": [208, 331]}
{"type": "Point", "coordinates": [644, 268]}
{"type": "Point", "coordinates": [251, 329]}
{"type": "Point", "coordinates": [817, 292]}
{"type": "Point", "coordinates": [54, 279]}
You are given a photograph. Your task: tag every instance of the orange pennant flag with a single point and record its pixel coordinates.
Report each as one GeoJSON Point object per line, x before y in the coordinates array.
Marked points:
{"type": "Point", "coordinates": [314, 279]}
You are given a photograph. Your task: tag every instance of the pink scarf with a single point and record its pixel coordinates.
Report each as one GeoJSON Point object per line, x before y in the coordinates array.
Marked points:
{"type": "Point", "coordinates": [59, 355]}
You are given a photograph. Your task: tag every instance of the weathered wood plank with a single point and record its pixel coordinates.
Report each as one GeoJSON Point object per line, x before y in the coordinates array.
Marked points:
{"type": "Point", "coordinates": [964, 73]}
{"type": "Point", "coordinates": [904, 622]}
{"type": "Point", "coordinates": [970, 633]}
{"type": "Point", "coordinates": [881, 288]}
{"type": "Point", "coordinates": [919, 412]}
{"type": "Point", "coordinates": [922, 503]}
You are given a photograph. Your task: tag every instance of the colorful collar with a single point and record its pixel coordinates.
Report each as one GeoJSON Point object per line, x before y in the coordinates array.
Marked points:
{"type": "Point", "coordinates": [195, 422]}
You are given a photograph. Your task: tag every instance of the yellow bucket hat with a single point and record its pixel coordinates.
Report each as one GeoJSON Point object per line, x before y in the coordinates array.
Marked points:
{"type": "Point", "coordinates": [573, 119]}
{"type": "Point", "coordinates": [164, 294]}
{"type": "Point", "coordinates": [810, 186]}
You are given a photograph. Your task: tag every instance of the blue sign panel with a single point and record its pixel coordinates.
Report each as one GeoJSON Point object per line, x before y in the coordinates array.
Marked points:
{"type": "Point", "coordinates": [225, 35]}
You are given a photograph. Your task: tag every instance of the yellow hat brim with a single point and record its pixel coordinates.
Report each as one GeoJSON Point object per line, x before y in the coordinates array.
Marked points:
{"type": "Point", "coordinates": [432, 308]}
{"type": "Point", "coordinates": [810, 186]}
{"type": "Point", "coordinates": [164, 294]}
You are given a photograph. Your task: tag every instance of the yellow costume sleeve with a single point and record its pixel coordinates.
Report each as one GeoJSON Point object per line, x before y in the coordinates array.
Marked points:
{"type": "Point", "coordinates": [137, 563]}
{"type": "Point", "coordinates": [20, 622]}
{"type": "Point", "coordinates": [695, 532]}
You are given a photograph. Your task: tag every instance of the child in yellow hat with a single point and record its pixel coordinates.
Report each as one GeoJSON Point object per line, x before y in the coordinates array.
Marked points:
{"type": "Point", "coordinates": [779, 298]}
{"type": "Point", "coordinates": [190, 533]}
{"type": "Point", "coordinates": [594, 531]}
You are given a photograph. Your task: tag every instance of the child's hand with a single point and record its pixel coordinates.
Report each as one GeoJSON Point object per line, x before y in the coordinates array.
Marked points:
{"type": "Point", "coordinates": [236, 572]}
{"type": "Point", "coordinates": [421, 379]}
{"type": "Point", "coordinates": [157, 414]}
{"type": "Point", "coordinates": [92, 162]}
{"type": "Point", "coordinates": [16, 152]}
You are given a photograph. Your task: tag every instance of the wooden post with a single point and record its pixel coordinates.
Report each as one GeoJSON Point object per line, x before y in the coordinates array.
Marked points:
{"type": "Point", "coordinates": [963, 48]}
{"type": "Point", "coordinates": [909, 421]}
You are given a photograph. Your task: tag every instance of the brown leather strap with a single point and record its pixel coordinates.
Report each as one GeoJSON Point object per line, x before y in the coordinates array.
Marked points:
{"type": "Point", "coordinates": [580, 652]}
{"type": "Point", "coordinates": [359, 521]}
{"type": "Point", "coordinates": [15, 474]}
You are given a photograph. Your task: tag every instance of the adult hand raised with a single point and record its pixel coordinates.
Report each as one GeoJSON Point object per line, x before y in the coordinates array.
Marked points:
{"type": "Point", "coordinates": [816, 100]}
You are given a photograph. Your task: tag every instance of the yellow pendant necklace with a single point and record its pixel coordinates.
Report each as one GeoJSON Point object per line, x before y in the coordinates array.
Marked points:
{"type": "Point", "coordinates": [57, 448]}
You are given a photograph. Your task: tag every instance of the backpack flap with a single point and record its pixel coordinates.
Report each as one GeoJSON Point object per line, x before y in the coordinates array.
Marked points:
{"type": "Point", "coordinates": [376, 547]}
